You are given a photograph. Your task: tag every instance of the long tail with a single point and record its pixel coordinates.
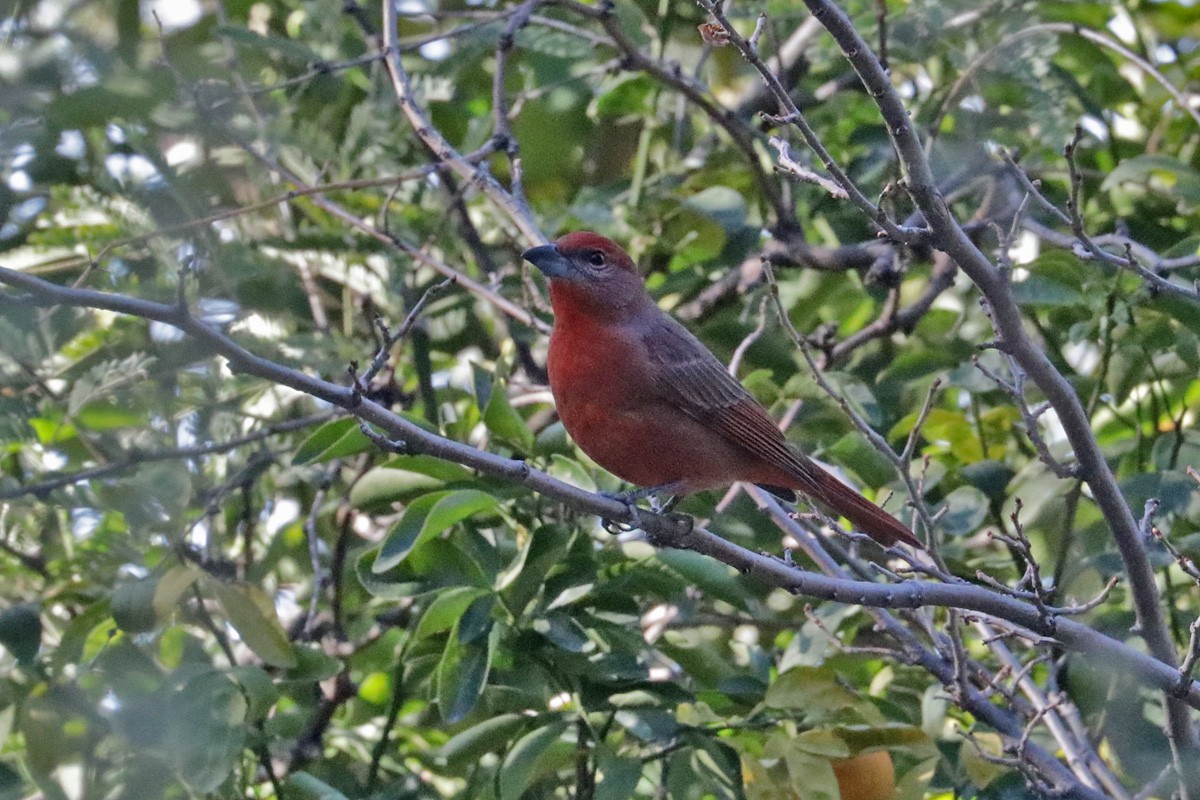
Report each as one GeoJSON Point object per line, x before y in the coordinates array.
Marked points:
{"type": "Point", "coordinates": [866, 516]}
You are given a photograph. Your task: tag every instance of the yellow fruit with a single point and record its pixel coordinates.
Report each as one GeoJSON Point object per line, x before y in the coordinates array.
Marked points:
{"type": "Point", "coordinates": [868, 776]}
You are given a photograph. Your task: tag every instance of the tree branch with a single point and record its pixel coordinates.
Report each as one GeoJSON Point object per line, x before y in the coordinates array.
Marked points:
{"type": "Point", "coordinates": [949, 236]}
{"type": "Point", "coordinates": [665, 530]}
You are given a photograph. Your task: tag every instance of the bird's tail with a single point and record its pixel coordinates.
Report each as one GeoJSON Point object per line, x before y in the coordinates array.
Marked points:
{"type": "Point", "coordinates": [865, 515]}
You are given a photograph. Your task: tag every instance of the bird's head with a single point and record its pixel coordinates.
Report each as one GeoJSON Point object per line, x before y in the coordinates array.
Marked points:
{"type": "Point", "coordinates": [588, 272]}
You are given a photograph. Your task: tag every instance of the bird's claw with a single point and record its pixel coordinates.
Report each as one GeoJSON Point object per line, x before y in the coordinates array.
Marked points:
{"type": "Point", "coordinates": [629, 501]}
{"type": "Point", "coordinates": [615, 528]}
{"type": "Point", "coordinates": [651, 494]}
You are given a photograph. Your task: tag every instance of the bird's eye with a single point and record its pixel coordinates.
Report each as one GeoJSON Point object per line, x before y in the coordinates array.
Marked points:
{"type": "Point", "coordinates": [596, 258]}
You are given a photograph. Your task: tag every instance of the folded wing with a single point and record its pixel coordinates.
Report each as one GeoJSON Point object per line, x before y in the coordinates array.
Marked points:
{"type": "Point", "coordinates": [692, 378]}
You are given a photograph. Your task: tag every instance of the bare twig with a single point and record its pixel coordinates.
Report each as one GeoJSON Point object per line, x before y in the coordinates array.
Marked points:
{"type": "Point", "coordinates": [665, 530]}
{"type": "Point", "coordinates": [948, 235]}
{"type": "Point", "coordinates": [793, 116]}
{"type": "Point", "coordinates": [433, 139]}
{"type": "Point", "coordinates": [137, 458]}
{"type": "Point", "coordinates": [796, 169]}
{"type": "Point", "coordinates": [389, 339]}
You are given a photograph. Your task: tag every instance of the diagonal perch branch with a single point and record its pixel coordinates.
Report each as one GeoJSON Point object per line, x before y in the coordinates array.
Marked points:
{"type": "Point", "coordinates": [666, 531]}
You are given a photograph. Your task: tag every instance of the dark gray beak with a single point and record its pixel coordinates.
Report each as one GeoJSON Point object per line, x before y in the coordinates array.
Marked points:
{"type": "Point", "coordinates": [550, 260]}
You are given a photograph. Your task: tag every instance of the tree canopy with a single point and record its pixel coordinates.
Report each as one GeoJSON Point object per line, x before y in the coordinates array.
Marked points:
{"type": "Point", "coordinates": [285, 508]}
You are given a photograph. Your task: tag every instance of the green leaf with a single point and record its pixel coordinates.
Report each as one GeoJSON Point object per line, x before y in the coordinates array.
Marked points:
{"type": "Point", "coordinates": [12, 785]}
{"type": "Point", "coordinates": [105, 415]}
{"type": "Point", "coordinates": [616, 776]}
{"type": "Point", "coordinates": [258, 688]}
{"type": "Point", "coordinates": [723, 205]}
{"type": "Point", "coordinates": [811, 775]}
{"type": "Point", "coordinates": [290, 49]}
{"type": "Point", "coordinates": [446, 609]}
{"type": "Point", "coordinates": [21, 631]}
{"type": "Point", "coordinates": [129, 95]}
{"type": "Point", "coordinates": [503, 420]}
{"type": "Point", "coordinates": [551, 42]}
{"type": "Point", "coordinates": [620, 95]}
{"type": "Point", "coordinates": [1162, 173]}
{"type": "Point", "coordinates": [990, 477]}
{"type": "Point", "coordinates": [133, 605]}
{"type": "Point", "coordinates": [564, 632]}
{"type": "Point", "coordinates": [206, 730]}
{"type": "Point", "coordinates": [488, 736]}
{"type": "Point", "coordinates": [380, 487]}
{"type": "Point", "coordinates": [934, 705]}
{"type": "Point", "coordinates": [129, 30]}
{"type": "Point", "coordinates": [890, 736]}
{"type": "Point", "coordinates": [445, 471]}
{"type": "Point", "coordinates": [303, 786]}
{"type": "Point", "coordinates": [719, 580]}
{"type": "Point", "coordinates": [78, 632]}
{"type": "Point", "coordinates": [427, 517]}
{"type": "Point", "coordinates": [403, 478]}
{"type": "Point", "coordinates": [1043, 292]}
{"type": "Point", "coordinates": [253, 616]}
{"type": "Point", "coordinates": [52, 431]}
{"type": "Point", "coordinates": [633, 21]}
{"type": "Point", "coordinates": [151, 498]}
{"type": "Point", "coordinates": [544, 550]}
{"type": "Point", "coordinates": [533, 755]}
{"type": "Point", "coordinates": [856, 453]}
{"type": "Point", "coordinates": [980, 769]}
{"type": "Point", "coordinates": [335, 439]}
{"type": "Point", "coordinates": [462, 672]}
{"type": "Point", "coordinates": [312, 665]}
{"type": "Point", "coordinates": [820, 742]}
{"type": "Point", "coordinates": [171, 586]}
{"type": "Point", "coordinates": [813, 691]}
{"type": "Point", "coordinates": [967, 509]}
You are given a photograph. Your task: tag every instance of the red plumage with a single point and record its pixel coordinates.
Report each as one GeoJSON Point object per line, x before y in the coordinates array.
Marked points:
{"type": "Point", "coordinates": [650, 403]}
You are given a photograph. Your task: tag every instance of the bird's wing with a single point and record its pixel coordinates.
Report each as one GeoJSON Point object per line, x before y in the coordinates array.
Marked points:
{"type": "Point", "coordinates": [694, 380]}
{"type": "Point", "coordinates": [689, 376]}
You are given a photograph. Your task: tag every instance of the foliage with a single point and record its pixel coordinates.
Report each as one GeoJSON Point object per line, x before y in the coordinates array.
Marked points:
{"type": "Point", "coordinates": [215, 585]}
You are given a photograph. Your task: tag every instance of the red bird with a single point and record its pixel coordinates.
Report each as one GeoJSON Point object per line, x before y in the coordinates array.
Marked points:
{"type": "Point", "coordinates": [650, 403]}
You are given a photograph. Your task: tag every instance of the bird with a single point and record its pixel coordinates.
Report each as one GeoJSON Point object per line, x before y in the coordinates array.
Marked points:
{"type": "Point", "coordinates": [649, 402]}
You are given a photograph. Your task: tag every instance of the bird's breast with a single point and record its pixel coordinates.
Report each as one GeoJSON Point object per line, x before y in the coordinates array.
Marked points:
{"type": "Point", "coordinates": [607, 398]}
{"type": "Point", "coordinates": [597, 367]}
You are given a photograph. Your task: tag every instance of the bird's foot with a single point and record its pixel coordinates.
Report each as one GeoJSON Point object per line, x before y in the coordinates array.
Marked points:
{"type": "Point", "coordinates": [651, 493]}
{"type": "Point", "coordinates": [614, 527]}
{"type": "Point", "coordinates": [672, 491]}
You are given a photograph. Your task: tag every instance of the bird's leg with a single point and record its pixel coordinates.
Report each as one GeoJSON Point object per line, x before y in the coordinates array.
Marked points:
{"type": "Point", "coordinates": [660, 507]}
{"type": "Point", "coordinates": [674, 488]}
{"type": "Point", "coordinates": [673, 491]}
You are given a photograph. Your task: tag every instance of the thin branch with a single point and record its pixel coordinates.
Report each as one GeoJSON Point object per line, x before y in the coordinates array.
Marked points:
{"type": "Point", "coordinates": [948, 235]}
{"type": "Point", "coordinates": [1156, 283]}
{"type": "Point", "coordinates": [792, 115]}
{"type": "Point", "coordinates": [471, 285]}
{"type": "Point", "coordinates": [753, 336]}
{"type": "Point", "coordinates": [137, 458]}
{"type": "Point", "coordinates": [1181, 100]}
{"type": "Point", "coordinates": [313, 536]}
{"type": "Point", "coordinates": [1000, 719]}
{"type": "Point", "coordinates": [799, 171]}
{"type": "Point", "coordinates": [390, 340]}
{"type": "Point", "coordinates": [476, 174]}
{"type": "Point", "coordinates": [741, 134]}
{"type": "Point", "coordinates": [664, 530]}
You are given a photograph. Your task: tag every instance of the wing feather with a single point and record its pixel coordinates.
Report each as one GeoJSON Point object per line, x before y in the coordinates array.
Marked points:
{"type": "Point", "coordinates": [688, 375]}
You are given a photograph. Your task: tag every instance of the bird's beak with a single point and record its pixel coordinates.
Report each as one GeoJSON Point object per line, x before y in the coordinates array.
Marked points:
{"type": "Point", "coordinates": [550, 260]}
